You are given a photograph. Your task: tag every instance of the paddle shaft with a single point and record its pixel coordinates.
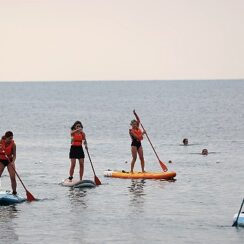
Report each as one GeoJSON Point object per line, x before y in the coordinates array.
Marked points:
{"type": "Point", "coordinates": [90, 161]}
{"type": "Point", "coordinates": [150, 142]}
{"type": "Point", "coordinates": [236, 221]}
{"type": "Point", "coordinates": [18, 176]}
{"type": "Point", "coordinates": [97, 181]}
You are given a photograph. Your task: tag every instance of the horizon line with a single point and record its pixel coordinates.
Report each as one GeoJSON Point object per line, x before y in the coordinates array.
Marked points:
{"type": "Point", "coordinates": [119, 80]}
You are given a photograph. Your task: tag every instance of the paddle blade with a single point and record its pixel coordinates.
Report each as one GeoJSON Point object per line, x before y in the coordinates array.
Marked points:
{"type": "Point", "coordinates": [163, 166]}
{"type": "Point", "coordinates": [97, 181]}
{"type": "Point", "coordinates": [30, 197]}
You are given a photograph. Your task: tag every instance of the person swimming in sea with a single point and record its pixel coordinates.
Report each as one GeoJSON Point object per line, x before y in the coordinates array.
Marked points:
{"type": "Point", "coordinates": [205, 152]}
{"type": "Point", "coordinates": [185, 141]}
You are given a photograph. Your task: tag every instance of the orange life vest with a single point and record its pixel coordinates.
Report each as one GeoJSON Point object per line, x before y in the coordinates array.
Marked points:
{"type": "Point", "coordinates": [138, 134]}
{"type": "Point", "coordinates": [8, 150]}
{"type": "Point", "coordinates": [77, 139]}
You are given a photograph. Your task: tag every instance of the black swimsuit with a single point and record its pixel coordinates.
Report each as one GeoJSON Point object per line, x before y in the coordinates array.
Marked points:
{"type": "Point", "coordinates": [76, 152]}
{"type": "Point", "coordinates": [135, 143]}
{"type": "Point", "coordinates": [5, 162]}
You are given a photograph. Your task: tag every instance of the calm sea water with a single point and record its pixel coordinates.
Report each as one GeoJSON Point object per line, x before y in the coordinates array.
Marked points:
{"type": "Point", "coordinates": [197, 208]}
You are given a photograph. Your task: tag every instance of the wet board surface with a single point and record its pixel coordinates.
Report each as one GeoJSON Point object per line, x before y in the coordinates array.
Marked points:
{"type": "Point", "coordinates": [78, 183]}
{"type": "Point", "coordinates": [7, 198]}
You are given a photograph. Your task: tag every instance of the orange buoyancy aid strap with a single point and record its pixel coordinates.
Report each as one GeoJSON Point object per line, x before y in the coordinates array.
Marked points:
{"type": "Point", "coordinates": [137, 133]}
{"type": "Point", "coordinates": [77, 139]}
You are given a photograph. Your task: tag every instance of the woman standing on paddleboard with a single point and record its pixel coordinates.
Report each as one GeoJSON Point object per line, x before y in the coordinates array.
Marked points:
{"type": "Point", "coordinates": [136, 136]}
{"type": "Point", "coordinates": [76, 149]}
{"type": "Point", "coordinates": [7, 157]}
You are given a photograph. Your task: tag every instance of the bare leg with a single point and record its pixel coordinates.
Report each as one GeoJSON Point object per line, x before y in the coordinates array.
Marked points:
{"type": "Point", "coordinates": [72, 167]}
{"type": "Point", "coordinates": [81, 161]}
{"type": "Point", "coordinates": [12, 177]}
{"type": "Point", "coordinates": [134, 156]}
{"type": "Point", "coordinates": [1, 169]}
{"type": "Point", "coordinates": [140, 152]}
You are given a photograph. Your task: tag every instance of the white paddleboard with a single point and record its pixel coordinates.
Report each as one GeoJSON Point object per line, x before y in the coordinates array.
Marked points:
{"type": "Point", "coordinates": [78, 183]}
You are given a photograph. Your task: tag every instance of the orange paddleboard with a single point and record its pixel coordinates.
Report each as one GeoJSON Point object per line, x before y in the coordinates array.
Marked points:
{"type": "Point", "coordinates": [169, 175]}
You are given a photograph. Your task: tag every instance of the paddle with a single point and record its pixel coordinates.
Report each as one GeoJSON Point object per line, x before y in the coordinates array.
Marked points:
{"type": "Point", "coordinates": [163, 166]}
{"type": "Point", "coordinates": [29, 196]}
{"type": "Point", "coordinates": [97, 181]}
{"type": "Point", "coordinates": [236, 221]}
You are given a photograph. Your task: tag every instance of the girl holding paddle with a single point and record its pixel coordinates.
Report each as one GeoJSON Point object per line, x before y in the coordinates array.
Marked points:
{"type": "Point", "coordinates": [7, 157]}
{"type": "Point", "coordinates": [136, 136]}
{"type": "Point", "coordinates": [76, 150]}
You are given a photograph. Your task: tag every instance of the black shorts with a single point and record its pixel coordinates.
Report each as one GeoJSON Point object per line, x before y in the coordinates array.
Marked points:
{"type": "Point", "coordinates": [5, 162]}
{"type": "Point", "coordinates": [136, 144]}
{"type": "Point", "coordinates": [76, 152]}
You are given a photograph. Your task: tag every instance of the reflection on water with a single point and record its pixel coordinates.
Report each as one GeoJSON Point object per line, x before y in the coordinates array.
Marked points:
{"type": "Point", "coordinates": [8, 212]}
{"type": "Point", "coordinates": [137, 193]}
{"type": "Point", "coordinates": [7, 228]}
{"type": "Point", "coordinates": [77, 197]}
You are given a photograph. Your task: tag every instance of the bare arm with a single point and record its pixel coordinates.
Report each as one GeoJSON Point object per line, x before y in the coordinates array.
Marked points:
{"type": "Point", "coordinates": [14, 153]}
{"type": "Point", "coordinates": [85, 141]}
{"type": "Point", "coordinates": [74, 131]}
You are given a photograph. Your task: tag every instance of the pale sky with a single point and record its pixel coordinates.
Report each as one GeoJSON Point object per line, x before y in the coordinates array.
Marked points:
{"type": "Point", "coordinates": [121, 39]}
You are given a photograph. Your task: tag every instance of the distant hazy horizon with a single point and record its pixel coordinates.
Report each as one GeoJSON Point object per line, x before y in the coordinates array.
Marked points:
{"type": "Point", "coordinates": [60, 40]}
{"type": "Point", "coordinates": [175, 80]}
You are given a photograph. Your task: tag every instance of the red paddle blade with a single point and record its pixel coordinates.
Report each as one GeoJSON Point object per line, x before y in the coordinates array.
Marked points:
{"type": "Point", "coordinates": [163, 166]}
{"type": "Point", "coordinates": [30, 197]}
{"type": "Point", "coordinates": [97, 181]}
